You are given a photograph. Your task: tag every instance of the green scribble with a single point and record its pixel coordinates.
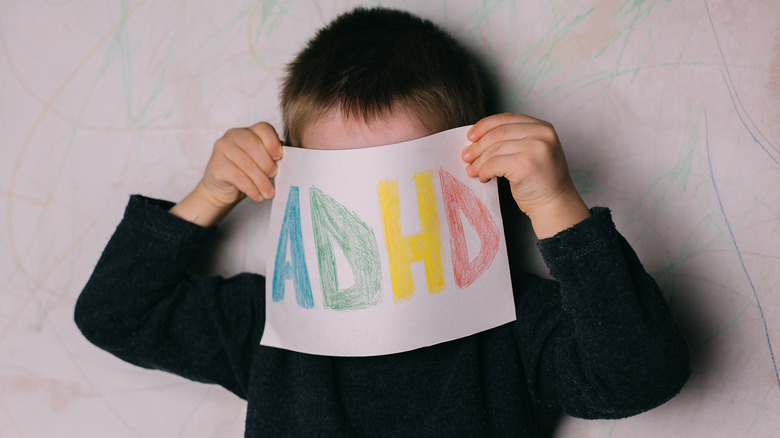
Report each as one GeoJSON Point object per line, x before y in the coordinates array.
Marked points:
{"type": "Point", "coordinates": [332, 221]}
{"type": "Point", "coordinates": [271, 14]}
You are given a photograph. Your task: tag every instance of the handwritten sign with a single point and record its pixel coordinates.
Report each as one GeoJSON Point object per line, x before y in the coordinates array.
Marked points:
{"type": "Point", "coordinates": [384, 249]}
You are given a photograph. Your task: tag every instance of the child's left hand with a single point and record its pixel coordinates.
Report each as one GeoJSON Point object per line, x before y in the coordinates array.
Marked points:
{"type": "Point", "coordinates": [527, 152]}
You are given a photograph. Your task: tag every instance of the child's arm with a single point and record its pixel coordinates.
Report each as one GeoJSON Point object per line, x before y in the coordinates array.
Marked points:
{"type": "Point", "coordinates": [605, 345]}
{"type": "Point", "coordinates": [526, 151]}
{"type": "Point", "coordinates": [140, 302]}
{"type": "Point", "coordinates": [142, 305]}
{"type": "Point", "coordinates": [242, 164]}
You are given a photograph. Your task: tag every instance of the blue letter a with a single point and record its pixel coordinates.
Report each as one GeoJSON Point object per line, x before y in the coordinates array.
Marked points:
{"type": "Point", "coordinates": [295, 269]}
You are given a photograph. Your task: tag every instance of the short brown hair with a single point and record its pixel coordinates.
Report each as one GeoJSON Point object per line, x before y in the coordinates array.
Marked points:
{"type": "Point", "coordinates": [368, 62]}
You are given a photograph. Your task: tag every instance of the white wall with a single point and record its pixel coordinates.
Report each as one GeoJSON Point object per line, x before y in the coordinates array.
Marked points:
{"type": "Point", "coordinates": [668, 112]}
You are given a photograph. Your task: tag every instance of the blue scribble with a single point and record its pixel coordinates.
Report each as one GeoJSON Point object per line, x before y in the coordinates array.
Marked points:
{"type": "Point", "coordinates": [734, 241]}
{"type": "Point", "coordinates": [295, 269]}
{"type": "Point", "coordinates": [731, 95]}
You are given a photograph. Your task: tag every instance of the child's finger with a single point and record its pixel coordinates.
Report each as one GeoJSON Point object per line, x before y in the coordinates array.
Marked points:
{"type": "Point", "coordinates": [489, 123]}
{"type": "Point", "coordinates": [253, 145]}
{"type": "Point", "coordinates": [245, 168]}
{"type": "Point", "coordinates": [501, 148]}
{"type": "Point", "coordinates": [501, 133]}
{"type": "Point", "coordinates": [521, 133]}
{"type": "Point", "coordinates": [244, 184]}
{"type": "Point", "coordinates": [269, 138]}
{"type": "Point", "coordinates": [497, 166]}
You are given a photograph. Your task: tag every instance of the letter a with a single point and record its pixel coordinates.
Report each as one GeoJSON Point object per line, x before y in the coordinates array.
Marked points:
{"type": "Point", "coordinates": [295, 269]}
{"type": "Point", "coordinates": [332, 220]}
{"type": "Point", "coordinates": [403, 250]}
{"type": "Point", "coordinates": [458, 197]}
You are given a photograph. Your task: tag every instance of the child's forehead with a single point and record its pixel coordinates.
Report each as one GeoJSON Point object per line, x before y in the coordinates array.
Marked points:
{"type": "Point", "coordinates": [335, 130]}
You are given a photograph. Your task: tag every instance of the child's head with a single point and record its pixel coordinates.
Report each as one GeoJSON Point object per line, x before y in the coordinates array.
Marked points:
{"type": "Point", "coordinates": [381, 67]}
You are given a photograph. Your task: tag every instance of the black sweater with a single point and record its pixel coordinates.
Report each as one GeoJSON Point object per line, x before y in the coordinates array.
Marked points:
{"type": "Point", "coordinates": [597, 343]}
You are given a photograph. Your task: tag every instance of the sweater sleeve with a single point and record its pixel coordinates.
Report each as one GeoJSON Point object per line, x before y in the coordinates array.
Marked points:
{"type": "Point", "coordinates": [604, 342]}
{"type": "Point", "coordinates": [142, 305]}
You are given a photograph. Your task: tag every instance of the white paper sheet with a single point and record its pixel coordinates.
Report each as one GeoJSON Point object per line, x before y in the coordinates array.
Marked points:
{"type": "Point", "coordinates": [382, 250]}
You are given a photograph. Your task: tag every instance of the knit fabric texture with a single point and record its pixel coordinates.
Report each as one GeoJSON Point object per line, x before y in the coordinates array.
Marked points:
{"type": "Point", "coordinates": [598, 341]}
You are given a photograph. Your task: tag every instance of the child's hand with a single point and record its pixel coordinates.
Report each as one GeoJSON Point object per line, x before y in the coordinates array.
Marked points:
{"type": "Point", "coordinates": [242, 164]}
{"type": "Point", "coordinates": [527, 152]}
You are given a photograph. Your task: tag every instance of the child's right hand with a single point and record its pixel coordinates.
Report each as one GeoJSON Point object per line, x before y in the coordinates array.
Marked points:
{"type": "Point", "coordinates": [242, 164]}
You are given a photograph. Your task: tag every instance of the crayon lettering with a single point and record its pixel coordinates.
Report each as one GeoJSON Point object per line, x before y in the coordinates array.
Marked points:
{"type": "Point", "coordinates": [333, 222]}
{"type": "Point", "coordinates": [458, 197]}
{"type": "Point", "coordinates": [294, 269]}
{"type": "Point", "coordinates": [403, 250]}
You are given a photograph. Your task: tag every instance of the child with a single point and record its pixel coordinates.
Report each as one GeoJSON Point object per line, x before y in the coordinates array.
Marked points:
{"type": "Point", "coordinates": [597, 342]}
